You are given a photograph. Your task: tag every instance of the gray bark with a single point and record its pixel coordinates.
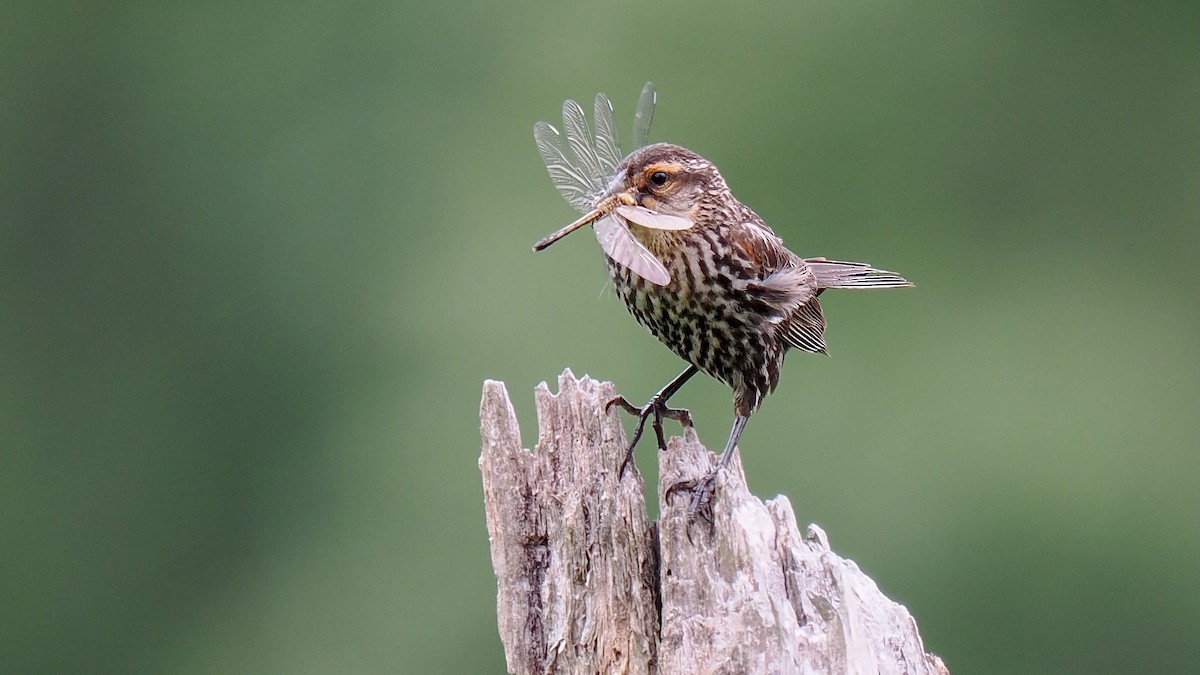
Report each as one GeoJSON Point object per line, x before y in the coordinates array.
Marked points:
{"type": "Point", "coordinates": [586, 584]}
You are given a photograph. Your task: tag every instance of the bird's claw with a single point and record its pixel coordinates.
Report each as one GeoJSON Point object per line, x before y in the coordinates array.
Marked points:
{"type": "Point", "coordinates": [700, 505]}
{"type": "Point", "coordinates": [657, 409]}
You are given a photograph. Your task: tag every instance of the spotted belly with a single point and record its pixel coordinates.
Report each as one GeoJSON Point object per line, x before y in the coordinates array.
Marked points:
{"type": "Point", "coordinates": [701, 317]}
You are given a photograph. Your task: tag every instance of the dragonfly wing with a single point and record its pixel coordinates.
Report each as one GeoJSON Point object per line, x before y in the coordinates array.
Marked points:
{"type": "Point", "coordinates": [625, 250]}
{"type": "Point", "coordinates": [579, 139]}
{"type": "Point", "coordinates": [608, 143]}
{"type": "Point", "coordinates": [570, 180]}
{"type": "Point", "coordinates": [643, 116]}
{"type": "Point", "coordinates": [581, 163]}
{"type": "Point", "coordinates": [656, 221]}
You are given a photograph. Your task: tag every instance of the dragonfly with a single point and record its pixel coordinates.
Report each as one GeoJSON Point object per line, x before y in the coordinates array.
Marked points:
{"type": "Point", "coordinates": [583, 162]}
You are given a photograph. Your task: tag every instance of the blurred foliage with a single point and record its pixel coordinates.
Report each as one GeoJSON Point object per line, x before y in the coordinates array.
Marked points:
{"type": "Point", "coordinates": [257, 259]}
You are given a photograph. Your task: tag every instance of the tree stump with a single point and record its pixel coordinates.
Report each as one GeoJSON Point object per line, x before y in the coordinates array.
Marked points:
{"type": "Point", "coordinates": [587, 584]}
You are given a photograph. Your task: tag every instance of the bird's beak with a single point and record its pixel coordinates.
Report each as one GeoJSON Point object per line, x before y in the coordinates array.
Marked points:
{"type": "Point", "coordinates": [602, 209]}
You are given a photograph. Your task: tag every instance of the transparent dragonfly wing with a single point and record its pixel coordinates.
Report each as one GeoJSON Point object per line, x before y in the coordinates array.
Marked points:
{"type": "Point", "coordinates": [571, 180]}
{"type": "Point", "coordinates": [620, 245]}
{"type": "Point", "coordinates": [579, 140]}
{"type": "Point", "coordinates": [582, 162]}
{"type": "Point", "coordinates": [608, 143]}
{"type": "Point", "coordinates": [644, 115]}
{"type": "Point", "coordinates": [656, 221]}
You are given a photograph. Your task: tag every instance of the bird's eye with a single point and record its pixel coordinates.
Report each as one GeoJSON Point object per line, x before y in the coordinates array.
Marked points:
{"type": "Point", "coordinates": [659, 178]}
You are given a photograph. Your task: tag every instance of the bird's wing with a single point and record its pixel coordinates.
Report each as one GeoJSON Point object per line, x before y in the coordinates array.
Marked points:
{"type": "Point", "coordinates": [805, 328]}
{"type": "Point", "coordinates": [785, 287]}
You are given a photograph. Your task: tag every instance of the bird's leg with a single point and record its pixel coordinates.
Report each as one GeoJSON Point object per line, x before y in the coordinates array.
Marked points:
{"type": "Point", "coordinates": [656, 408]}
{"type": "Point", "coordinates": [701, 502]}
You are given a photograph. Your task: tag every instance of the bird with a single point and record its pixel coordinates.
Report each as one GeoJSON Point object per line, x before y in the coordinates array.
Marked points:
{"type": "Point", "coordinates": [694, 265]}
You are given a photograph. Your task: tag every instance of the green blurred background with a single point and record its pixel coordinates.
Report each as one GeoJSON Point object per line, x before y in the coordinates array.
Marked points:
{"type": "Point", "coordinates": [257, 259]}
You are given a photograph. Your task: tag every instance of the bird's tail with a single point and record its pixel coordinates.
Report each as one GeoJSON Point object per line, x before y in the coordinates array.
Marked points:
{"type": "Point", "coordinates": [838, 274]}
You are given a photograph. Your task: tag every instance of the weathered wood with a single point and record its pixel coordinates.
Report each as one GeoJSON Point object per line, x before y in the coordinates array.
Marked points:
{"type": "Point", "coordinates": [587, 584]}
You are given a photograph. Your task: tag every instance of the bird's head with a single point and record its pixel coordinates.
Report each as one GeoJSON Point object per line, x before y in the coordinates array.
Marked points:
{"type": "Point", "coordinates": [665, 179]}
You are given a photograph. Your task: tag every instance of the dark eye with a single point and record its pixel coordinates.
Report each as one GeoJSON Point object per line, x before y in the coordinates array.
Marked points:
{"type": "Point", "coordinates": [659, 178]}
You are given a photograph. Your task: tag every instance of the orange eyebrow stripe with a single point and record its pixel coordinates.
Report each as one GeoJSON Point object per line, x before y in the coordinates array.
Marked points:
{"type": "Point", "coordinates": [669, 167]}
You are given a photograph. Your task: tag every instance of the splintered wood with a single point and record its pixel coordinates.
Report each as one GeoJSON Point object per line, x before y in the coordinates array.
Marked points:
{"type": "Point", "coordinates": [587, 584]}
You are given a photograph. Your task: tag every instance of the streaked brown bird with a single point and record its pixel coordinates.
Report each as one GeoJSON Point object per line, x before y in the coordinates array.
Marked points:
{"type": "Point", "coordinates": [694, 265]}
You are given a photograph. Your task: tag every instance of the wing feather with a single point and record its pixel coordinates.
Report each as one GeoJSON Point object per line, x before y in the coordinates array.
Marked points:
{"type": "Point", "coordinates": [805, 328]}
{"type": "Point", "coordinates": [840, 274]}
{"type": "Point", "coordinates": [787, 287]}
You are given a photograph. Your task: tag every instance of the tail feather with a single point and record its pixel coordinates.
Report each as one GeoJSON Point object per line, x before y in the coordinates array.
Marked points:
{"type": "Point", "coordinates": [839, 274]}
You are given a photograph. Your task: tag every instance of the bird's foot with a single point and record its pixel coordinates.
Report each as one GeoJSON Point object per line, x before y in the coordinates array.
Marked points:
{"type": "Point", "coordinates": [700, 505]}
{"type": "Point", "coordinates": [656, 409]}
